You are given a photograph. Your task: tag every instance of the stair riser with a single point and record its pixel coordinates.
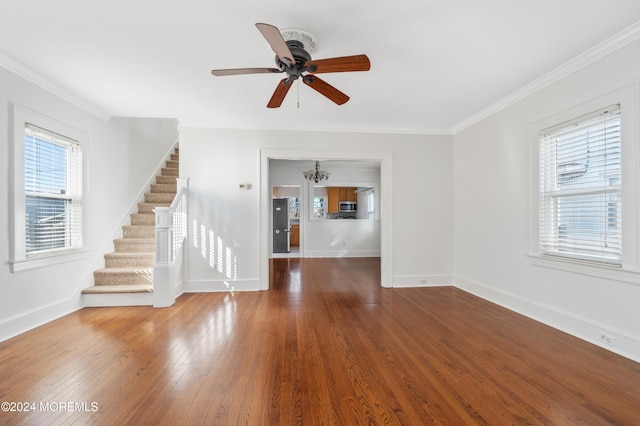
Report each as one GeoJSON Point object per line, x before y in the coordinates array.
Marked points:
{"type": "Point", "coordinates": [139, 231]}
{"type": "Point", "coordinates": [124, 246]}
{"type": "Point", "coordinates": [164, 188]}
{"type": "Point", "coordinates": [140, 261]}
{"type": "Point", "coordinates": [173, 163]}
{"type": "Point", "coordinates": [125, 278]}
{"type": "Point", "coordinates": [143, 219]}
{"type": "Point", "coordinates": [166, 179]}
{"type": "Point", "coordinates": [170, 172]}
{"type": "Point", "coordinates": [175, 157]}
{"type": "Point", "coordinates": [159, 197]}
{"type": "Point", "coordinates": [148, 207]}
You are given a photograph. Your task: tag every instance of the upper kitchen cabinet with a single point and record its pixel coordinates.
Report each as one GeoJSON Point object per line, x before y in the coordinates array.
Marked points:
{"type": "Point", "coordinates": [335, 194]}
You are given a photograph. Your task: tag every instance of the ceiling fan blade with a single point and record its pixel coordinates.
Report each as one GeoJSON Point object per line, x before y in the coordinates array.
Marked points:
{"type": "Point", "coordinates": [342, 64]}
{"type": "Point", "coordinates": [325, 89]}
{"type": "Point", "coordinates": [278, 45]}
{"type": "Point", "coordinates": [240, 71]}
{"type": "Point", "coordinates": [281, 91]}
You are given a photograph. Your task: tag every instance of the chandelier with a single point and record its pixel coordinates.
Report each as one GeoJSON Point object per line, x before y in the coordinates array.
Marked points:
{"type": "Point", "coordinates": [316, 175]}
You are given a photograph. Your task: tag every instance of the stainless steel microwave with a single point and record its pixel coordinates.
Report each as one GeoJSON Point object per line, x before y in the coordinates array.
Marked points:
{"type": "Point", "coordinates": [347, 206]}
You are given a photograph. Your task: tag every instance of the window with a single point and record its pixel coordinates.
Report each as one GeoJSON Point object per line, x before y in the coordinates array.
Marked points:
{"type": "Point", "coordinates": [319, 207]}
{"type": "Point", "coordinates": [47, 181]}
{"type": "Point", "coordinates": [580, 187]}
{"type": "Point", "coordinates": [52, 190]}
{"type": "Point", "coordinates": [294, 207]}
{"type": "Point", "coordinates": [371, 203]}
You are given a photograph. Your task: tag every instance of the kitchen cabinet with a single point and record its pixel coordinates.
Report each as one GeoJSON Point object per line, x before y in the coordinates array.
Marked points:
{"type": "Point", "coordinates": [332, 199]}
{"type": "Point", "coordinates": [335, 194]}
{"type": "Point", "coordinates": [294, 237]}
{"type": "Point", "coordinates": [349, 194]}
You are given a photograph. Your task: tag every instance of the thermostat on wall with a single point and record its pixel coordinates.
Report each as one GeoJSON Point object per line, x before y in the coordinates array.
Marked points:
{"type": "Point", "coordinates": [246, 186]}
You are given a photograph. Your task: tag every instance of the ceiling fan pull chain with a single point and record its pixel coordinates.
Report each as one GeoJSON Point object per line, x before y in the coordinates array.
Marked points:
{"type": "Point", "coordinates": [298, 94]}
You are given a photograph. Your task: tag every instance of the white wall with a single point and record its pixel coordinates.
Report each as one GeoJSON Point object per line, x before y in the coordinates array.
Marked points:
{"type": "Point", "coordinates": [493, 210]}
{"type": "Point", "coordinates": [122, 156]}
{"type": "Point", "coordinates": [224, 241]}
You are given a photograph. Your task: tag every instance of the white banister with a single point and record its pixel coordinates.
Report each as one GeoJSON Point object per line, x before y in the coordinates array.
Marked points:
{"type": "Point", "coordinates": [171, 232]}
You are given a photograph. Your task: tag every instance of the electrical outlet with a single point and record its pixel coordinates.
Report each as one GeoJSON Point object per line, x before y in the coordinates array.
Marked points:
{"type": "Point", "coordinates": [423, 281]}
{"type": "Point", "coordinates": [608, 339]}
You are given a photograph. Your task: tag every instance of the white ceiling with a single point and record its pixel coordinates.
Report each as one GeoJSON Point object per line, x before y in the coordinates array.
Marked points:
{"type": "Point", "coordinates": [435, 64]}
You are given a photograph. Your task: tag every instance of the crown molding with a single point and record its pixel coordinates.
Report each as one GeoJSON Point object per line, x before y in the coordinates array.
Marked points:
{"type": "Point", "coordinates": [46, 84]}
{"type": "Point", "coordinates": [312, 127]}
{"type": "Point", "coordinates": [619, 40]}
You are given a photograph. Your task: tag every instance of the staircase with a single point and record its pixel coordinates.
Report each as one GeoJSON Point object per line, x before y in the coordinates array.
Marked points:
{"type": "Point", "coordinates": [127, 278]}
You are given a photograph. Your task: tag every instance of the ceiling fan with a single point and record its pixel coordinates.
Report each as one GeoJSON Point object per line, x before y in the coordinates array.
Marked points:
{"type": "Point", "coordinates": [293, 58]}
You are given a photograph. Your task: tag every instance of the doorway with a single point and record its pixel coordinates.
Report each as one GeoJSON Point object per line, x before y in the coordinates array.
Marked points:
{"type": "Point", "coordinates": [384, 159]}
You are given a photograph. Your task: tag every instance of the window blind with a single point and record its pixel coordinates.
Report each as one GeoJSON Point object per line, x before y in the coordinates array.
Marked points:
{"type": "Point", "coordinates": [53, 191]}
{"type": "Point", "coordinates": [580, 188]}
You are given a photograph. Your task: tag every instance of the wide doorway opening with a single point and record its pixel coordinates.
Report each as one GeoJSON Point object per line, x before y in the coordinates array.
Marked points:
{"type": "Point", "coordinates": [320, 233]}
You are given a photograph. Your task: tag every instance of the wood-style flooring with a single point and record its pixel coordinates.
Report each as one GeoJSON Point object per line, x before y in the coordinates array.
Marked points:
{"type": "Point", "coordinates": [326, 345]}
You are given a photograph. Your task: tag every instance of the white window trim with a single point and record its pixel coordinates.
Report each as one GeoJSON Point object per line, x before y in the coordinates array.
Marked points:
{"type": "Point", "coordinates": [18, 258]}
{"type": "Point", "coordinates": [629, 271]}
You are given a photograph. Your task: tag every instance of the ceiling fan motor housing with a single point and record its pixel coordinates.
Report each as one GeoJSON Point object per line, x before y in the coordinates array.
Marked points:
{"type": "Point", "coordinates": [301, 56]}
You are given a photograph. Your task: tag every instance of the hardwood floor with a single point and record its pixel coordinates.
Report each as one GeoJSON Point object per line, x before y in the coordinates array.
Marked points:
{"type": "Point", "coordinates": [326, 345]}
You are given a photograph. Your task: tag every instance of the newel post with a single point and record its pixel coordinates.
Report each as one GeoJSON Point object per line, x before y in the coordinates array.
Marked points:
{"type": "Point", "coordinates": [162, 295]}
{"type": "Point", "coordinates": [164, 229]}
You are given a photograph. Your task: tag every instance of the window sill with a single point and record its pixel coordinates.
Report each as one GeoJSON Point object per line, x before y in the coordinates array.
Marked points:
{"type": "Point", "coordinates": [44, 261]}
{"type": "Point", "coordinates": [585, 268]}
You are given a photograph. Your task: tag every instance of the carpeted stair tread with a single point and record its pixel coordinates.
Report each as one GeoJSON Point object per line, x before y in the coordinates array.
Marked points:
{"type": "Point", "coordinates": [123, 276]}
{"type": "Point", "coordinates": [135, 240]}
{"type": "Point", "coordinates": [143, 219]}
{"type": "Point", "coordinates": [170, 171]}
{"type": "Point", "coordinates": [125, 270]}
{"type": "Point", "coordinates": [139, 231]}
{"type": "Point", "coordinates": [148, 207]}
{"type": "Point", "coordinates": [135, 245]}
{"type": "Point", "coordinates": [129, 259]}
{"type": "Point", "coordinates": [162, 188]}
{"type": "Point", "coordinates": [160, 180]}
{"type": "Point", "coordinates": [159, 197]}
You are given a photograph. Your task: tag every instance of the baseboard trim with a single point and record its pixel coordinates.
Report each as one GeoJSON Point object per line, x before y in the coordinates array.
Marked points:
{"type": "Point", "coordinates": [24, 322]}
{"type": "Point", "coordinates": [626, 345]}
{"type": "Point", "coordinates": [221, 286]}
{"type": "Point", "coordinates": [410, 281]}
{"type": "Point", "coordinates": [343, 253]}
